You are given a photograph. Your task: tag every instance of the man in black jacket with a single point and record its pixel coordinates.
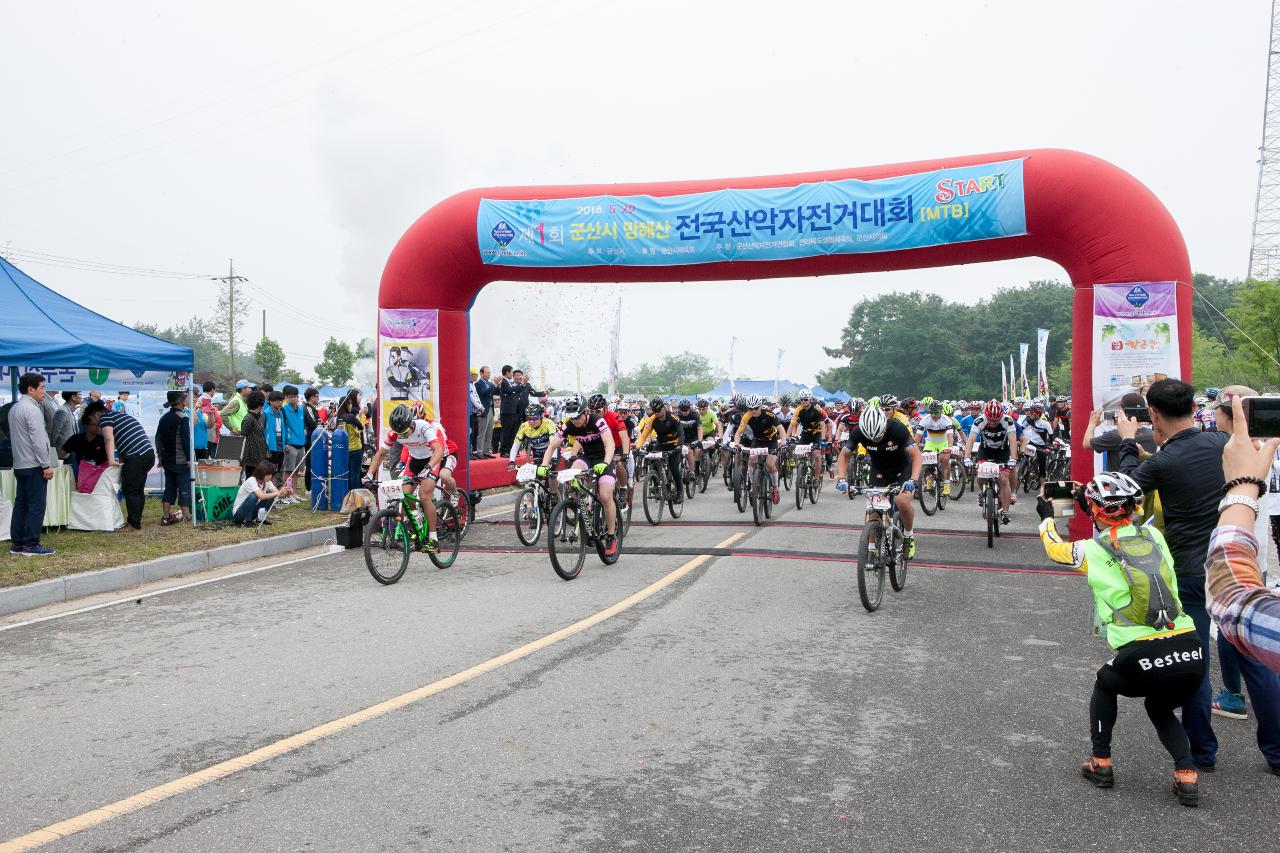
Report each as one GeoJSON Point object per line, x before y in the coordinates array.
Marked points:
{"type": "Point", "coordinates": [173, 446]}
{"type": "Point", "coordinates": [1187, 472]}
{"type": "Point", "coordinates": [514, 400]}
{"type": "Point", "coordinates": [310, 420]}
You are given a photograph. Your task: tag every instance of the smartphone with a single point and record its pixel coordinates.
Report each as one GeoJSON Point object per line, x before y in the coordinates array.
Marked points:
{"type": "Point", "coordinates": [1262, 416]}
{"type": "Point", "coordinates": [1061, 490]}
{"type": "Point", "coordinates": [1141, 414]}
{"type": "Point", "coordinates": [1109, 416]}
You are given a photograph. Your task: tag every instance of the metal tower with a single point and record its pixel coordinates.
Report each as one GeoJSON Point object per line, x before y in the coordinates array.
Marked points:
{"type": "Point", "coordinates": [1264, 252]}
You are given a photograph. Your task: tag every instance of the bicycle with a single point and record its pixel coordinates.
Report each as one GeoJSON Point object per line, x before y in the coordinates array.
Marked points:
{"type": "Point", "coordinates": [881, 548]}
{"type": "Point", "coordinates": [740, 488]}
{"type": "Point", "coordinates": [786, 466]}
{"type": "Point", "coordinates": [1029, 471]}
{"type": "Point", "coordinates": [858, 474]}
{"type": "Point", "coordinates": [400, 527]}
{"type": "Point", "coordinates": [987, 481]}
{"type": "Point", "coordinates": [658, 488]}
{"type": "Point", "coordinates": [706, 469]}
{"type": "Point", "coordinates": [808, 484]}
{"type": "Point", "coordinates": [959, 478]}
{"type": "Point", "coordinates": [688, 479]}
{"type": "Point", "coordinates": [576, 522]}
{"type": "Point", "coordinates": [1058, 466]}
{"type": "Point", "coordinates": [761, 487]}
{"type": "Point", "coordinates": [533, 507]}
{"type": "Point", "coordinates": [932, 494]}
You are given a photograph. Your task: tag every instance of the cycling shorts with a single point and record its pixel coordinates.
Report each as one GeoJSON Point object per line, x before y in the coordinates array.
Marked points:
{"type": "Point", "coordinates": [993, 454]}
{"type": "Point", "coordinates": [417, 466]}
{"type": "Point", "coordinates": [936, 445]}
{"type": "Point", "coordinates": [609, 472]}
{"type": "Point", "coordinates": [810, 436]}
{"type": "Point", "coordinates": [881, 479]}
{"type": "Point", "coordinates": [772, 445]}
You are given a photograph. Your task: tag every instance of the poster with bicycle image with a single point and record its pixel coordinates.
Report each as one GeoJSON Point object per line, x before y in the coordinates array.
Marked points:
{"type": "Point", "coordinates": [407, 360]}
{"type": "Point", "coordinates": [1135, 338]}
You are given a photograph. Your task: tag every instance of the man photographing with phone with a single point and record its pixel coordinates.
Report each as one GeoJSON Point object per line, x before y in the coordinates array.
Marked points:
{"type": "Point", "coordinates": [1101, 435]}
{"type": "Point", "coordinates": [1188, 474]}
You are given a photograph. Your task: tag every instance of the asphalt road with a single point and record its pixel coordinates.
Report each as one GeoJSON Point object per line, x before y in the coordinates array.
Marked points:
{"type": "Point", "coordinates": [751, 704]}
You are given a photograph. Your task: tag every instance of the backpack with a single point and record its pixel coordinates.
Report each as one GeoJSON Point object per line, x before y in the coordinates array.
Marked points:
{"type": "Point", "coordinates": [1151, 600]}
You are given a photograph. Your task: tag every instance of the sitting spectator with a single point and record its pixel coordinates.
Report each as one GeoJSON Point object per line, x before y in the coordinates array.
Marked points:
{"type": "Point", "coordinates": [257, 494]}
{"type": "Point", "coordinates": [1246, 611]}
{"type": "Point", "coordinates": [253, 428]}
{"type": "Point", "coordinates": [89, 451]}
{"type": "Point", "coordinates": [173, 446]}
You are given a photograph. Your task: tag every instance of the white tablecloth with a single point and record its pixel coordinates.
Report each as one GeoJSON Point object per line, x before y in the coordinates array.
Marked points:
{"type": "Point", "coordinates": [57, 508]}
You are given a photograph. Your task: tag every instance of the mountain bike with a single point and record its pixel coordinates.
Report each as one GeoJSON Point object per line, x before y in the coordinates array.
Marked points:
{"type": "Point", "coordinates": [706, 470]}
{"type": "Point", "coordinates": [400, 528]}
{"type": "Point", "coordinates": [688, 478]}
{"type": "Point", "coordinates": [533, 507]}
{"type": "Point", "coordinates": [741, 489]}
{"type": "Point", "coordinates": [761, 486]}
{"type": "Point", "coordinates": [577, 521]}
{"type": "Point", "coordinates": [931, 497]}
{"type": "Point", "coordinates": [881, 548]}
{"type": "Point", "coordinates": [786, 466]}
{"type": "Point", "coordinates": [1059, 465]}
{"type": "Point", "coordinates": [808, 484]}
{"type": "Point", "coordinates": [960, 477]}
{"type": "Point", "coordinates": [1029, 471]}
{"type": "Point", "coordinates": [711, 449]}
{"type": "Point", "coordinates": [987, 482]}
{"type": "Point", "coordinates": [659, 490]}
{"type": "Point", "coordinates": [858, 474]}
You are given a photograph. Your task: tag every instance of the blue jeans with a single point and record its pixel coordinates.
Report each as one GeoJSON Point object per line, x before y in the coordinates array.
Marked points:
{"type": "Point", "coordinates": [177, 485]}
{"type": "Point", "coordinates": [1263, 685]}
{"type": "Point", "coordinates": [28, 507]}
{"type": "Point", "coordinates": [248, 511]}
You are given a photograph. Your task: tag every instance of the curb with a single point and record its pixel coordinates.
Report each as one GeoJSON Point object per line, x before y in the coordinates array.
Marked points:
{"type": "Point", "coordinates": [56, 590]}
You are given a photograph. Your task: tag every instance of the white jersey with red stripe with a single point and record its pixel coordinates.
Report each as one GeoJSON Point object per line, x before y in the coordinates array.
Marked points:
{"type": "Point", "coordinates": [422, 439]}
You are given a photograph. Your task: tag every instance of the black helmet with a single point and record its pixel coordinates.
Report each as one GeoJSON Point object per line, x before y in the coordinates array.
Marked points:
{"type": "Point", "coordinates": [401, 418]}
{"type": "Point", "coordinates": [597, 401]}
{"type": "Point", "coordinates": [535, 410]}
{"type": "Point", "coordinates": [685, 404]}
{"type": "Point", "coordinates": [657, 403]}
{"type": "Point", "coordinates": [702, 403]}
{"type": "Point", "coordinates": [785, 399]}
{"type": "Point", "coordinates": [573, 407]}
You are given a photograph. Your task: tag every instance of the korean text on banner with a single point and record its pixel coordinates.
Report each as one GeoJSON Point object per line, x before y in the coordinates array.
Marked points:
{"type": "Point", "coordinates": [86, 379]}
{"type": "Point", "coordinates": [1135, 338]}
{"type": "Point", "coordinates": [408, 353]}
{"type": "Point", "coordinates": [957, 205]}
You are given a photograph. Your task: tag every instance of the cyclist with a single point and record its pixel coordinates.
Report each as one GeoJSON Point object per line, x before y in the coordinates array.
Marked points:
{"type": "Point", "coordinates": [999, 436]}
{"type": "Point", "coordinates": [710, 423]}
{"type": "Point", "coordinates": [1157, 652]}
{"type": "Point", "coordinates": [729, 417]}
{"type": "Point", "coordinates": [968, 414]}
{"type": "Point", "coordinates": [760, 427]}
{"type": "Point", "coordinates": [810, 425]}
{"type": "Point", "coordinates": [895, 459]}
{"type": "Point", "coordinates": [599, 407]}
{"type": "Point", "coordinates": [691, 427]}
{"type": "Point", "coordinates": [784, 410]}
{"type": "Point", "coordinates": [938, 432]}
{"type": "Point", "coordinates": [1037, 435]}
{"type": "Point", "coordinates": [595, 438]}
{"type": "Point", "coordinates": [1060, 416]}
{"type": "Point", "coordinates": [430, 451]}
{"type": "Point", "coordinates": [890, 405]}
{"type": "Point", "coordinates": [665, 428]}
{"type": "Point", "coordinates": [1207, 417]}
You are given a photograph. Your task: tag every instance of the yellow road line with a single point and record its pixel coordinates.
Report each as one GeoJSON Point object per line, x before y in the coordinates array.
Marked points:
{"type": "Point", "coordinates": [190, 782]}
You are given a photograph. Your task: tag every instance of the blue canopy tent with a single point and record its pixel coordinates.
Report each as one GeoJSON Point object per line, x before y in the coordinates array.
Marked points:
{"type": "Point", "coordinates": [763, 387]}
{"type": "Point", "coordinates": [842, 396]}
{"type": "Point", "coordinates": [44, 328]}
{"type": "Point", "coordinates": [819, 391]}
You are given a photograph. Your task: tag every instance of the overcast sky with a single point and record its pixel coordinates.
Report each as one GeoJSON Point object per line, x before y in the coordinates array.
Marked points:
{"type": "Point", "coordinates": [303, 138]}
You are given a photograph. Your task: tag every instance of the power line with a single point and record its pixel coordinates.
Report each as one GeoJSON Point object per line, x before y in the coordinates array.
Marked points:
{"type": "Point", "coordinates": [31, 256]}
{"type": "Point", "coordinates": [1257, 345]}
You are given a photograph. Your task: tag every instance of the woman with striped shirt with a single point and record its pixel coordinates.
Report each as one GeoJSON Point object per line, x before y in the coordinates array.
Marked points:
{"type": "Point", "coordinates": [123, 435]}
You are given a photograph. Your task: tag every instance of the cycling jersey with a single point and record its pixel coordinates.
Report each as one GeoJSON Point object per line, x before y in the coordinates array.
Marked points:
{"type": "Point", "coordinates": [689, 423]}
{"type": "Point", "coordinates": [811, 419]}
{"type": "Point", "coordinates": [422, 439]}
{"type": "Point", "coordinates": [964, 423]}
{"type": "Point", "coordinates": [1207, 419]}
{"type": "Point", "coordinates": [937, 431]}
{"type": "Point", "coordinates": [1039, 433]}
{"type": "Point", "coordinates": [994, 440]}
{"type": "Point", "coordinates": [590, 436]}
{"type": "Point", "coordinates": [538, 438]}
{"type": "Point", "coordinates": [902, 418]}
{"type": "Point", "coordinates": [709, 423]}
{"type": "Point", "coordinates": [763, 427]}
{"type": "Point", "coordinates": [616, 426]}
{"type": "Point", "coordinates": [666, 429]}
{"type": "Point", "coordinates": [890, 462]}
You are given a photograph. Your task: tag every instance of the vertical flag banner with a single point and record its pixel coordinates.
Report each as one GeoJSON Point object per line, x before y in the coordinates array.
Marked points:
{"type": "Point", "coordinates": [1042, 371]}
{"type": "Point", "coordinates": [1004, 383]}
{"type": "Point", "coordinates": [1013, 378]}
{"type": "Point", "coordinates": [1135, 338]}
{"type": "Point", "coordinates": [613, 351]}
{"type": "Point", "coordinates": [408, 348]}
{"type": "Point", "coordinates": [1022, 359]}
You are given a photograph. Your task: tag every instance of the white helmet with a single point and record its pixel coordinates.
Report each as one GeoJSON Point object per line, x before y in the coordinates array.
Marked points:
{"type": "Point", "coordinates": [752, 401]}
{"type": "Point", "coordinates": [873, 423]}
{"type": "Point", "coordinates": [804, 396]}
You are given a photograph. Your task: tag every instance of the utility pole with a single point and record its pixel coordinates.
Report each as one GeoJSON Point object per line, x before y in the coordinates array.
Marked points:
{"type": "Point", "coordinates": [230, 311]}
{"type": "Point", "coordinates": [1264, 251]}
{"type": "Point", "coordinates": [264, 322]}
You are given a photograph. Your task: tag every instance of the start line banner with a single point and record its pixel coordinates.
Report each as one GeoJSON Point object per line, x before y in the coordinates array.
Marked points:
{"type": "Point", "coordinates": [959, 205]}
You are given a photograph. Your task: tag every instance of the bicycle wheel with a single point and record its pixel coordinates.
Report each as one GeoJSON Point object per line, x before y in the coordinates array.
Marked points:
{"type": "Point", "coordinates": [898, 554]}
{"type": "Point", "coordinates": [598, 513]}
{"type": "Point", "coordinates": [942, 485]}
{"type": "Point", "coordinates": [386, 546]}
{"type": "Point", "coordinates": [757, 495]}
{"type": "Point", "coordinates": [448, 536]}
{"type": "Point", "coordinates": [785, 472]}
{"type": "Point", "coordinates": [463, 513]}
{"type": "Point", "coordinates": [815, 484]}
{"type": "Point", "coordinates": [928, 489]}
{"type": "Point", "coordinates": [802, 482]}
{"type": "Point", "coordinates": [624, 511]}
{"type": "Point", "coordinates": [704, 465]}
{"type": "Point", "coordinates": [528, 516]}
{"type": "Point", "coordinates": [870, 572]}
{"type": "Point", "coordinates": [727, 472]}
{"type": "Point", "coordinates": [653, 497]}
{"type": "Point", "coordinates": [568, 551]}
{"type": "Point", "coordinates": [741, 488]}
{"type": "Point", "coordinates": [958, 480]}
{"type": "Point", "coordinates": [675, 504]}
{"type": "Point", "coordinates": [990, 508]}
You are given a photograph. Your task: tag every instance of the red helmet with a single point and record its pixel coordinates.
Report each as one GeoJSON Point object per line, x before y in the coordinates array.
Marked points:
{"type": "Point", "coordinates": [993, 411]}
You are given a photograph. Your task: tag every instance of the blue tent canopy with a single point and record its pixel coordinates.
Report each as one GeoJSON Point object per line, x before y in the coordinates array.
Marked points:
{"type": "Point", "coordinates": [44, 328]}
{"type": "Point", "coordinates": [842, 396]}
{"type": "Point", "coordinates": [763, 387]}
{"type": "Point", "coordinates": [819, 391]}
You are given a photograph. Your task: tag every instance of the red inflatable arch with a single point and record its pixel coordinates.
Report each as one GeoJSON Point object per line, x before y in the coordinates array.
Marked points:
{"type": "Point", "coordinates": [1095, 220]}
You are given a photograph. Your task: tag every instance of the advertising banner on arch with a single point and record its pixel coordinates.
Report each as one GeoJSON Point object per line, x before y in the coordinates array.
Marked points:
{"type": "Point", "coordinates": [1135, 338]}
{"type": "Point", "coordinates": [957, 205]}
{"type": "Point", "coordinates": [408, 360]}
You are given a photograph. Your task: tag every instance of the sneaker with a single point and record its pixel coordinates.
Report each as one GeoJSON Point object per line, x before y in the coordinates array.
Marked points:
{"type": "Point", "coordinates": [842, 485]}
{"type": "Point", "coordinates": [1101, 775]}
{"type": "Point", "coordinates": [17, 550]}
{"type": "Point", "coordinates": [911, 546]}
{"type": "Point", "coordinates": [610, 545]}
{"type": "Point", "coordinates": [38, 551]}
{"type": "Point", "coordinates": [1004, 518]}
{"type": "Point", "coordinates": [775, 495]}
{"type": "Point", "coordinates": [946, 490]}
{"type": "Point", "coordinates": [431, 545]}
{"type": "Point", "coordinates": [1228, 704]}
{"type": "Point", "coordinates": [1186, 787]}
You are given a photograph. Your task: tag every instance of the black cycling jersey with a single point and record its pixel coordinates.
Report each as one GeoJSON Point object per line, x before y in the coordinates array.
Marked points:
{"type": "Point", "coordinates": [689, 423]}
{"type": "Point", "coordinates": [763, 426]}
{"type": "Point", "coordinates": [590, 436]}
{"type": "Point", "coordinates": [667, 430]}
{"type": "Point", "coordinates": [890, 462]}
{"type": "Point", "coordinates": [730, 417]}
{"type": "Point", "coordinates": [811, 418]}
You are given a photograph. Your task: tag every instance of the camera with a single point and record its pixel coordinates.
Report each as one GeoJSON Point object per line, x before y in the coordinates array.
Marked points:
{"type": "Point", "coordinates": [1261, 416]}
{"type": "Point", "coordinates": [1062, 494]}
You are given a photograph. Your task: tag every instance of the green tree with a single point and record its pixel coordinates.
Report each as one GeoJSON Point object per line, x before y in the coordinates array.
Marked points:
{"type": "Point", "coordinates": [1220, 293]}
{"type": "Point", "coordinates": [270, 358]}
{"type": "Point", "coordinates": [1257, 340]}
{"type": "Point", "coordinates": [364, 348]}
{"type": "Point", "coordinates": [336, 366]}
{"type": "Point", "coordinates": [686, 373]}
